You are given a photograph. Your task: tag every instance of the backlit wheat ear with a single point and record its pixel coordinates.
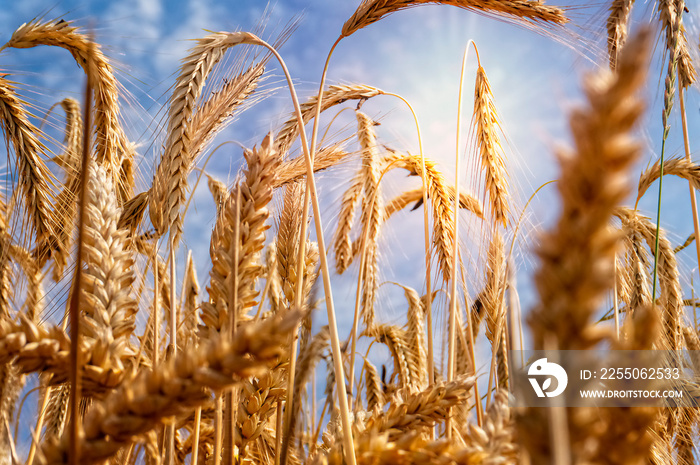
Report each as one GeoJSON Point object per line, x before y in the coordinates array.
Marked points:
{"type": "Point", "coordinates": [342, 244]}
{"type": "Point", "coordinates": [287, 241]}
{"type": "Point", "coordinates": [257, 408]}
{"type": "Point", "coordinates": [415, 333]}
{"type": "Point", "coordinates": [533, 12]}
{"type": "Point", "coordinates": [11, 385]}
{"type": "Point", "coordinates": [334, 95]}
{"type": "Point", "coordinates": [671, 293]}
{"type": "Point", "coordinates": [308, 359]}
{"type": "Point", "coordinates": [618, 21]}
{"type": "Point", "coordinates": [592, 184]}
{"type": "Point", "coordinates": [404, 199]}
{"type": "Point", "coordinates": [421, 409]}
{"type": "Point", "coordinates": [373, 388]}
{"type": "Point", "coordinates": [6, 274]}
{"type": "Point", "coordinates": [490, 149]}
{"type": "Point", "coordinates": [637, 271]}
{"type": "Point", "coordinates": [107, 302]}
{"type": "Point", "coordinates": [111, 144]}
{"type": "Point", "coordinates": [494, 306]}
{"type": "Point", "coordinates": [295, 169]}
{"type": "Point", "coordinates": [255, 193]}
{"type": "Point", "coordinates": [670, 15]}
{"type": "Point", "coordinates": [288, 248]}
{"type": "Point", "coordinates": [441, 205]}
{"type": "Point", "coordinates": [132, 213]}
{"type": "Point", "coordinates": [190, 302]}
{"type": "Point", "coordinates": [406, 364]}
{"type": "Point", "coordinates": [57, 412]}
{"type": "Point", "coordinates": [211, 116]}
{"type": "Point", "coordinates": [178, 386]}
{"type": "Point", "coordinates": [372, 212]}
{"type": "Point", "coordinates": [34, 178]}
{"type": "Point", "coordinates": [681, 167]}
{"type": "Point", "coordinates": [170, 181]}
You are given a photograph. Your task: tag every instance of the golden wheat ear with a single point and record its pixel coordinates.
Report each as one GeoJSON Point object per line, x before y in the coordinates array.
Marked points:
{"type": "Point", "coordinates": [334, 95]}
{"type": "Point", "coordinates": [487, 125]}
{"type": "Point", "coordinates": [111, 144]}
{"type": "Point", "coordinates": [529, 11]}
{"type": "Point", "coordinates": [170, 180]}
{"type": "Point", "coordinates": [177, 387]}
{"type": "Point", "coordinates": [35, 179]}
{"type": "Point", "coordinates": [255, 194]}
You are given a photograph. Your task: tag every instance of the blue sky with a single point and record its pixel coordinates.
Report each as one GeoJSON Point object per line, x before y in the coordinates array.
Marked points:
{"type": "Point", "coordinates": [416, 53]}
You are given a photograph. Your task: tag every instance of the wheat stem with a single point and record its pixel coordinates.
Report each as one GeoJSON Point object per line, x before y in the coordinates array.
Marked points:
{"type": "Point", "coordinates": [335, 342]}
{"type": "Point", "coordinates": [686, 146]}
{"type": "Point", "coordinates": [75, 421]}
{"type": "Point", "coordinates": [426, 232]}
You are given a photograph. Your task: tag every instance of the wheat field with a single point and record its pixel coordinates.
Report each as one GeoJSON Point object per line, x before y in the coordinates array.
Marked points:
{"type": "Point", "coordinates": [114, 349]}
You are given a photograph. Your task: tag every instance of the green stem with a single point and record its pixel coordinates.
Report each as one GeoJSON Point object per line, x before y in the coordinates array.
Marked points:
{"type": "Point", "coordinates": [658, 218]}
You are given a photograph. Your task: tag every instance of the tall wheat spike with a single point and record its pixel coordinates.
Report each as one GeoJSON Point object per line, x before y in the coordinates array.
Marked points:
{"type": "Point", "coordinates": [487, 126]}
{"type": "Point", "coordinates": [255, 193]}
{"type": "Point", "coordinates": [681, 167]}
{"type": "Point", "coordinates": [210, 117]}
{"type": "Point", "coordinates": [671, 293]}
{"type": "Point", "coordinates": [494, 306]}
{"type": "Point", "coordinates": [670, 14]}
{"type": "Point", "coordinates": [441, 205]}
{"type": "Point", "coordinates": [170, 180]}
{"type": "Point", "coordinates": [372, 212]}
